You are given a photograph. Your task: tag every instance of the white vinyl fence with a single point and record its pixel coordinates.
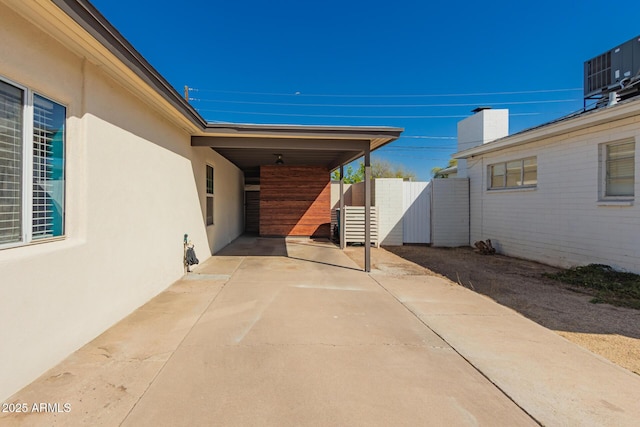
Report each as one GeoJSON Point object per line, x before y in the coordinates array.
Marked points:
{"type": "Point", "coordinates": [435, 212]}
{"type": "Point", "coordinates": [416, 207]}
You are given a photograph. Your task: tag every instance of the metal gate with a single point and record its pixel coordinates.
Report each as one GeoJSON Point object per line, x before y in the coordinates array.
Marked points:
{"type": "Point", "coordinates": [416, 221]}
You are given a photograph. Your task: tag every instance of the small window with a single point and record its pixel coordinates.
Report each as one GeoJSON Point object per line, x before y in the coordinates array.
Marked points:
{"type": "Point", "coordinates": [514, 174]}
{"type": "Point", "coordinates": [210, 196]}
{"type": "Point", "coordinates": [497, 175]}
{"type": "Point", "coordinates": [619, 173]}
{"type": "Point", "coordinates": [32, 166]}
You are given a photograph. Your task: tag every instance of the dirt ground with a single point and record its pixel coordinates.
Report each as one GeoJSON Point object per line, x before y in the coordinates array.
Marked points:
{"type": "Point", "coordinates": [612, 332]}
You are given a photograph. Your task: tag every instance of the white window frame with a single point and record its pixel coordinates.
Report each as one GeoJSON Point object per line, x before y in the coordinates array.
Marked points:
{"type": "Point", "coordinates": [603, 171]}
{"type": "Point", "coordinates": [210, 195]}
{"type": "Point", "coordinates": [27, 168]}
{"type": "Point", "coordinates": [504, 165]}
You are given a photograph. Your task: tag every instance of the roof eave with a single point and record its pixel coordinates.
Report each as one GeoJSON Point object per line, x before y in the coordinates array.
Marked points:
{"type": "Point", "coordinates": [91, 21]}
{"type": "Point", "coordinates": [377, 136]}
{"type": "Point", "coordinates": [95, 24]}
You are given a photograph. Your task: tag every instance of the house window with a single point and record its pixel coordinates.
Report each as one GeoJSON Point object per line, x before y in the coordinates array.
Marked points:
{"type": "Point", "coordinates": [210, 195]}
{"type": "Point", "coordinates": [514, 174]}
{"type": "Point", "coordinates": [619, 169]}
{"type": "Point", "coordinates": [32, 146]}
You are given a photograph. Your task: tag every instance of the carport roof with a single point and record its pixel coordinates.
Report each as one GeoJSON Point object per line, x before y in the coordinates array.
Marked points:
{"type": "Point", "coordinates": [250, 146]}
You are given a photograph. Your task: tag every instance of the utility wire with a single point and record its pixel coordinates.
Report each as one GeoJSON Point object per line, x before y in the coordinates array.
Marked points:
{"type": "Point", "coordinates": [450, 149]}
{"type": "Point", "coordinates": [458, 116]}
{"type": "Point", "coordinates": [430, 95]}
{"type": "Point", "coordinates": [291, 104]}
{"type": "Point", "coordinates": [427, 137]}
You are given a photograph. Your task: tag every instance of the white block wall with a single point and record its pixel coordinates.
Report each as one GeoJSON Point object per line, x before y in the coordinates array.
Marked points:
{"type": "Point", "coordinates": [335, 195]}
{"type": "Point", "coordinates": [388, 196]}
{"type": "Point", "coordinates": [450, 212]}
{"type": "Point", "coordinates": [353, 194]}
{"type": "Point", "coordinates": [561, 221]}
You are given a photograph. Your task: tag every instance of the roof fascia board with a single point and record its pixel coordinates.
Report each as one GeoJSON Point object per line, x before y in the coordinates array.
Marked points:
{"type": "Point", "coordinates": [94, 23]}
{"type": "Point", "coordinates": [294, 131]}
{"type": "Point", "coordinates": [279, 143]}
{"type": "Point", "coordinates": [588, 120]}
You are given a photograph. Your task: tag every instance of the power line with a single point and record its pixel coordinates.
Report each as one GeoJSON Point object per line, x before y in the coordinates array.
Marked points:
{"type": "Point", "coordinates": [292, 104]}
{"type": "Point", "coordinates": [300, 94]}
{"type": "Point", "coordinates": [427, 137]}
{"type": "Point", "coordinates": [450, 149]}
{"type": "Point", "coordinates": [332, 116]}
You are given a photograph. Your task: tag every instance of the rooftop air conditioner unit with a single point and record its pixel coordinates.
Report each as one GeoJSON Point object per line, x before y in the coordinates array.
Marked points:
{"type": "Point", "coordinates": [612, 70]}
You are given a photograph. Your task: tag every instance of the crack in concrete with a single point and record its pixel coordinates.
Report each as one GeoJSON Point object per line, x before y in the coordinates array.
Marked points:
{"type": "Point", "coordinates": [322, 344]}
{"type": "Point", "coordinates": [477, 369]}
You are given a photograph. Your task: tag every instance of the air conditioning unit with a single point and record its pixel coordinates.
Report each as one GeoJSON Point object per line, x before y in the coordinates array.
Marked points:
{"type": "Point", "coordinates": [612, 70]}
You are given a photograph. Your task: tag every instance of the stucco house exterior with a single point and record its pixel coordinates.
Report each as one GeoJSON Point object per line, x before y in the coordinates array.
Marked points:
{"type": "Point", "coordinates": [562, 193]}
{"type": "Point", "coordinates": [103, 170]}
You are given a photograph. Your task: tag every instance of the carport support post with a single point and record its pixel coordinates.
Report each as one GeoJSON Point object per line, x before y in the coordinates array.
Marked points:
{"type": "Point", "coordinates": [367, 210]}
{"type": "Point", "coordinates": [342, 214]}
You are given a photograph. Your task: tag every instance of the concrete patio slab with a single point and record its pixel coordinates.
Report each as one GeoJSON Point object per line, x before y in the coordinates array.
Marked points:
{"type": "Point", "coordinates": [556, 381]}
{"type": "Point", "coordinates": [290, 332]}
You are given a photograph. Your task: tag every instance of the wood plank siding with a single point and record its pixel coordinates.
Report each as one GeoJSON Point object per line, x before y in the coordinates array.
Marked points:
{"type": "Point", "coordinates": [295, 201]}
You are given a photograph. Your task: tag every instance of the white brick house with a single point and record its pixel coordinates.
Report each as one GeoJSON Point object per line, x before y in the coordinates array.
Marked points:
{"type": "Point", "coordinates": [562, 193]}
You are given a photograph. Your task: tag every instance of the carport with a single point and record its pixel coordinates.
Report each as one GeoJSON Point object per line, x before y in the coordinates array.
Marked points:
{"type": "Point", "coordinates": [275, 155]}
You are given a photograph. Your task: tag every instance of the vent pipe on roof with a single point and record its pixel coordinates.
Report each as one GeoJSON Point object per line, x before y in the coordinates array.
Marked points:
{"type": "Point", "coordinates": [613, 98]}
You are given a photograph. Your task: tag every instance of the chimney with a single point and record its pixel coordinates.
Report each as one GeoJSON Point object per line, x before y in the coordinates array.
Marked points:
{"type": "Point", "coordinates": [484, 126]}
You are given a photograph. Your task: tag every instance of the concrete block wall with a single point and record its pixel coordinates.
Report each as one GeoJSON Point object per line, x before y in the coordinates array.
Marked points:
{"type": "Point", "coordinates": [388, 195]}
{"type": "Point", "coordinates": [335, 195]}
{"type": "Point", "coordinates": [353, 194]}
{"type": "Point", "coordinates": [560, 222]}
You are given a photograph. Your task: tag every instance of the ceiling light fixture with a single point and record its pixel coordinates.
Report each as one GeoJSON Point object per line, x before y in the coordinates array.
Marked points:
{"type": "Point", "coordinates": [279, 161]}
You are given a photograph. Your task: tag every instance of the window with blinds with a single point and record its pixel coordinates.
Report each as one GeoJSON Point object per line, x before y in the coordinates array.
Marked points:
{"type": "Point", "coordinates": [210, 195]}
{"type": "Point", "coordinates": [48, 168]}
{"type": "Point", "coordinates": [31, 211]}
{"type": "Point", "coordinates": [620, 169]}
{"type": "Point", "coordinates": [513, 174]}
{"type": "Point", "coordinates": [11, 148]}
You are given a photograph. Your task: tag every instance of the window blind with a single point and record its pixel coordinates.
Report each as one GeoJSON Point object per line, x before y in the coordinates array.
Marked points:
{"type": "Point", "coordinates": [11, 120]}
{"type": "Point", "coordinates": [620, 169]}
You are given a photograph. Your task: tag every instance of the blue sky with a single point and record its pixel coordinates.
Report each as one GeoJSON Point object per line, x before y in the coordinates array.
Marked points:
{"type": "Point", "coordinates": [418, 65]}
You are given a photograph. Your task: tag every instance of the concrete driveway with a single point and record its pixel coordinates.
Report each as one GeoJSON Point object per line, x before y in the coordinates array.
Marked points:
{"type": "Point", "coordinates": [291, 332]}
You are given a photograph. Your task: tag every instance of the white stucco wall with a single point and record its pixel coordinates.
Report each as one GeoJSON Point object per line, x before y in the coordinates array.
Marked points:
{"type": "Point", "coordinates": [560, 222]}
{"type": "Point", "coordinates": [134, 186]}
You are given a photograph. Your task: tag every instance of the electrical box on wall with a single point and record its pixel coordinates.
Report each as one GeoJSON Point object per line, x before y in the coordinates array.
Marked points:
{"type": "Point", "coordinates": [611, 70]}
